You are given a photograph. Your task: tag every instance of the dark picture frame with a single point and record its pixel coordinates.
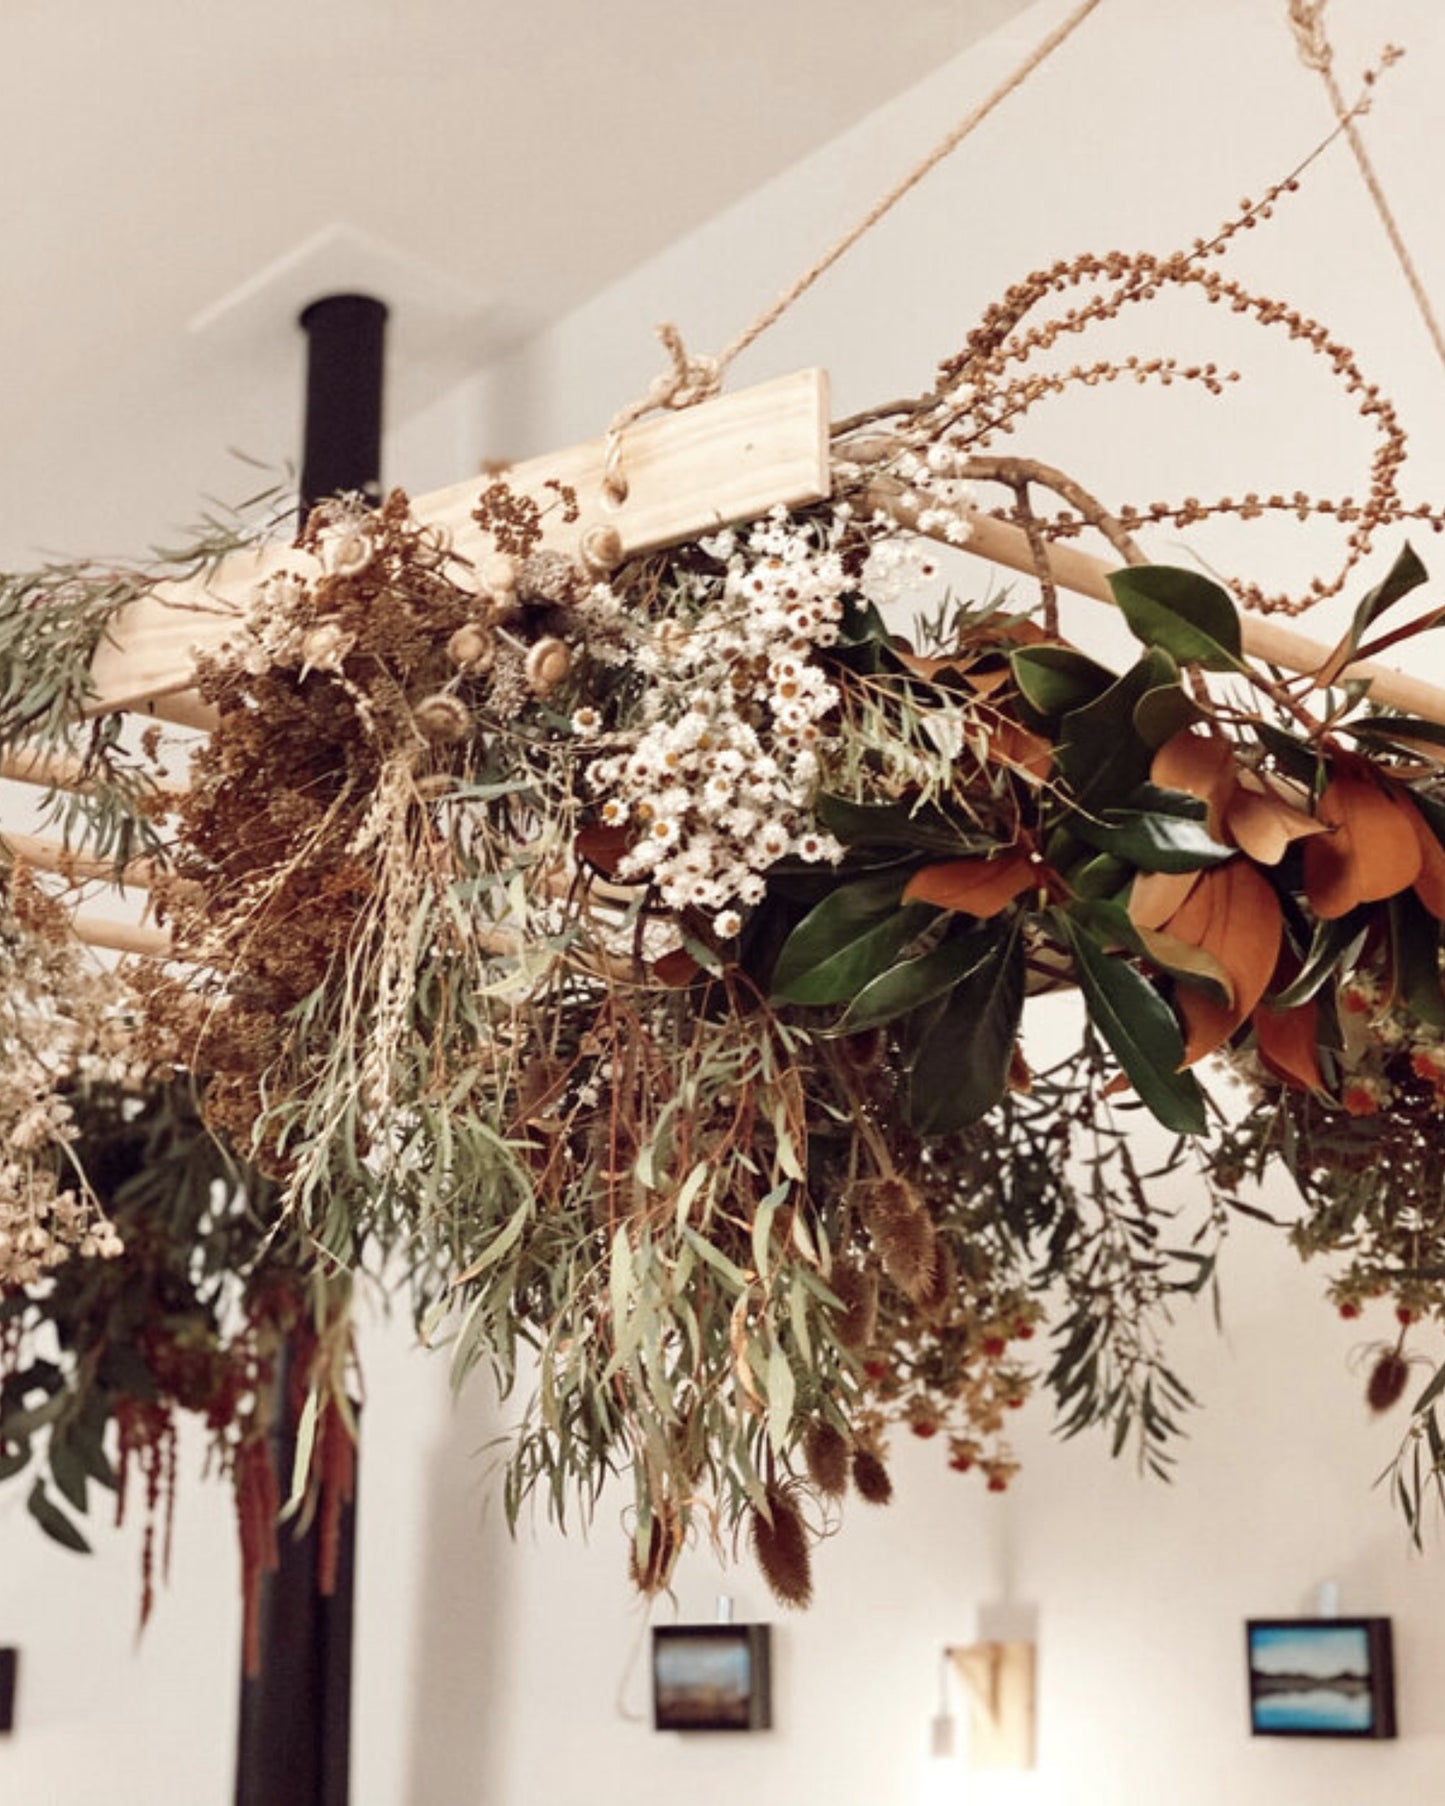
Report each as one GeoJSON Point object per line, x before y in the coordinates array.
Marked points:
{"type": "Point", "coordinates": [1321, 1677]}
{"type": "Point", "coordinates": [712, 1677]}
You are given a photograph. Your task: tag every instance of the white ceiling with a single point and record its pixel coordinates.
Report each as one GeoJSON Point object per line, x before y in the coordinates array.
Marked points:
{"type": "Point", "coordinates": [173, 171]}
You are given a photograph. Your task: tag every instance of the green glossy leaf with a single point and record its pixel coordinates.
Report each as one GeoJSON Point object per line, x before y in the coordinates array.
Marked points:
{"type": "Point", "coordinates": [1151, 842]}
{"type": "Point", "coordinates": [1294, 758]}
{"type": "Point", "coordinates": [1139, 1029]}
{"type": "Point", "coordinates": [1101, 754]}
{"type": "Point", "coordinates": [916, 981]}
{"type": "Point", "coordinates": [1334, 946]}
{"type": "Point", "coordinates": [1415, 941]}
{"type": "Point", "coordinates": [960, 1066]}
{"type": "Point", "coordinates": [926, 829]}
{"type": "Point", "coordinates": [1399, 728]}
{"type": "Point", "coordinates": [53, 1521]}
{"type": "Point", "coordinates": [1186, 615]}
{"type": "Point", "coordinates": [1055, 680]}
{"type": "Point", "coordinates": [1110, 924]}
{"type": "Point", "coordinates": [855, 933]}
{"type": "Point", "coordinates": [1161, 714]}
{"type": "Point", "coordinates": [1405, 574]}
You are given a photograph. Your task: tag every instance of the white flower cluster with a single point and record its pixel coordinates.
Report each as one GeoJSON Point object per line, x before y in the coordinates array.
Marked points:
{"type": "Point", "coordinates": [718, 784]}
{"type": "Point", "coordinates": [41, 1225]}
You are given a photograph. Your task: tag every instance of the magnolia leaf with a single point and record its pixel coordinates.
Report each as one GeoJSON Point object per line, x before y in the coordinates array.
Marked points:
{"type": "Point", "coordinates": [1264, 826]}
{"type": "Point", "coordinates": [855, 933]}
{"type": "Point", "coordinates": [1294, 758]}
{"type": "Point", "coordinates": [53, 1521]}
{"type": "Point", "coordinates": [961, 1064]}
{"type": "Point", "coordinates": [1055, 680]}
{"type": "Point", "coordinates": [1430, 879]}
{"type": "Point", "coordinates": [913, 982]}
{"type": "Point", "coordinates": [1157, 897]}
{"type": "Point", "coordinates": [1151, 842]}
{"type": "Point", "coordinates": [1399, 729]}
{"type": "Point", "coordinates": [1186, 615]}
{"type": "Point", "coordinates": [1202, 766]}
{"type": "Point", "coordinates": [1234, 914]}
{"type": "Point", "coordinates": [1288, 1043]}
{"type": "Point", "coordinates": [1162, 713]}
{"type": "Point", "coordinates": [1101, 753]}
{"type": "Point", "coordinates": [1111, 925]}
{"type": "Point", "coordinates": [1140, 1031]}
{"type": "Point", "coordinates": [1335, 946]}
{"type": "Point", "coordinates": [1415, 953]}
{"type": "Point", "coordinates": [921, 826]}
{"type": "Point", "coordinates": [1406, 574]}
{"type": "Point", "coordinates": [1375, 849]}
{"type": "Point", "coordinates": [977, 887]}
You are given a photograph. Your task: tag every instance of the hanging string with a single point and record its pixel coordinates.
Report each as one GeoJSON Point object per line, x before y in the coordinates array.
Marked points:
{"type": "Point", "coordinates": [1307, 20]}
{"type": "Point", "coordinates": [693, 379]}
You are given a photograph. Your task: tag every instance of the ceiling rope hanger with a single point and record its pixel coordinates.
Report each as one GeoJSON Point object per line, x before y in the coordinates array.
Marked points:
{"type": "Point", "coordinates": [692, 379]}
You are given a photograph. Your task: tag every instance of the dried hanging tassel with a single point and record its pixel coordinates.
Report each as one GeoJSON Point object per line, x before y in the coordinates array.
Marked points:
{"type": "Point", "coordinates": [825, 1449]}
{"type": "Point", "coordinates": [780, 1544]}
{"type": "Point", "coordinates": [857, 1291]}
{"type": "Point", "coordinates": [870, 1477]}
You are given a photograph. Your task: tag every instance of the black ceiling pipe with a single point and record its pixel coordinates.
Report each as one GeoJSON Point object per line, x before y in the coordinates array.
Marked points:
{"type": "Point", "coordinates": [294, 1743]}
{"type": "Point", "coordinates": [345, 350]}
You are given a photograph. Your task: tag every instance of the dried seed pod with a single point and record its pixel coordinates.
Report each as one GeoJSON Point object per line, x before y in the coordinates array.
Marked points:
{"type": "Point", "coordinates": [473, 647]}
{"type": "Point", "coordinates": [497, 575]}
{"type": "Point", "coordinates": [825, 1449]}
{"type": "Point", "coordinates": [352, 552]}
{"type": "Point", "coordinates": [548, 663]}
{"type": "Point", "coordinates": [857, 1291]}
{"type": "Point", "coordinates": [780, 1544]}
{"type": "Point", "coordinates": [870, 1478]}
{"type": "Point", "coordinates": [935, 1298]}
{"type": "Point", "coordinates": [442, 718]}
{"type": "Point", "coordinates": [908, 1248]}
{"type": "Point", "coordinates": [601, 550]}
{"type": "Point", "coordinates": [549, 577]}
{"type": "Point", "coordinates": [1388, 1379]}
{"type": "Point", "coordinates": [323, 648]}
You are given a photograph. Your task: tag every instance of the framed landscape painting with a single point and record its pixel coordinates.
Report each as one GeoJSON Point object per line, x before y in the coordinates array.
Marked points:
{"type": "Point", "coordinates": [1321, 1677]}
{"type": "Point", "coordinates": [711, 1677]}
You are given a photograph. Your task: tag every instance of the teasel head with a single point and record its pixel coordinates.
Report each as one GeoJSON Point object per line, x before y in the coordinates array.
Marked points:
{"type": "Point", "coordinates": [870, 1478]}
{"type": "Point", "coordinates": [825, 1450]}
{"type": "Point", "coordinates": [548, 663]}
{"type": "Point", "coordinates": [934, 1300]}
{"type": "Point", "coordinates": [908, 1247]}
{"type": "Point", "coordinates": [856, 1289]}
{"type": "Point", "coordinates": [1389, 1377]}
{"type": "Point", "coordinates": [780, 1543]}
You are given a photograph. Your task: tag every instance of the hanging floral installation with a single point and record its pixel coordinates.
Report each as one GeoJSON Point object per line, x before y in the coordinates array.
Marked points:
{"type": "Point", "coordinates": [628, 954]}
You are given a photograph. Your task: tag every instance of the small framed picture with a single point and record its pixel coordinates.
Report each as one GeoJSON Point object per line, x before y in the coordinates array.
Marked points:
{"type": "Point", "coordinates": [1321, 1677]}
{"type": "Point", "coordinates": [712, 1677]}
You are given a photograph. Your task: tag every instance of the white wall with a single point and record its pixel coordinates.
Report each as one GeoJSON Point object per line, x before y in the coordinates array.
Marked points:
{"type": "Point", "coordinates": [500, 1674]}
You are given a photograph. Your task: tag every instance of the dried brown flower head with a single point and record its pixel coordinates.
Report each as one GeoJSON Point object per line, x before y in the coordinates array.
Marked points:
{"type": "Point", "coordinates": [870, 1478]}
{"type": "Point", "coordinates": [780, 1543]}
{"type": "Point", "coordinates": [825, 1450]}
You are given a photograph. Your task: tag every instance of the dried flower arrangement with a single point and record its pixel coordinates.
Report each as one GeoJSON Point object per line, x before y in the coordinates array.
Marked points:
{"type": "Point", "coordinates": [637, 948]}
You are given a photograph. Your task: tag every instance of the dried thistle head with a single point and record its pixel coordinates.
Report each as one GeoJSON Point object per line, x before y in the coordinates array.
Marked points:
{"type": "Point", "coordinates": [780, 1543]}
{"type": "Point", "coordinates": [856, 1288]}
{"type": "Point", "coordinates": [870, 1478]}
{"type": "Point", "coordinates": [825, 1450]}
{"type": "Point", "coordinates": [442, 719]}
{"type": "Point", "coordinates": [908, 1248]}
{"type": "Point", "coordinates": [935, 1298]}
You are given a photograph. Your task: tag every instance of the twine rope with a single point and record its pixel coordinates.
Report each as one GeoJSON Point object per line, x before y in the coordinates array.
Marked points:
{"type": "Point", "coordinates": [693, 379]}
{"type": "Point", "coordinates": [1307, 18]}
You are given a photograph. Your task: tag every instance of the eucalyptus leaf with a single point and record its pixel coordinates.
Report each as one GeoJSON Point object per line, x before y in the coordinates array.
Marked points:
{"type": "Point", "coordinates": [53, 1521]}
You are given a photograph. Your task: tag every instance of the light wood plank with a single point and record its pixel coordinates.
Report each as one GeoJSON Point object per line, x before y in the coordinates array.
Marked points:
{"type": "Point", "coordinates": [1268, 641]}
{"type": "Point", "coordinates": [123, 937]}
{"type": "Point", "coordinates": [687, 473]}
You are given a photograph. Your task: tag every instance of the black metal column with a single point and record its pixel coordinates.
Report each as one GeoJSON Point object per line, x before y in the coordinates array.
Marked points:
{"type": "Point", "coordinates": [294, 1746]}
